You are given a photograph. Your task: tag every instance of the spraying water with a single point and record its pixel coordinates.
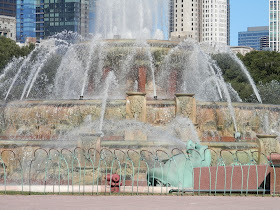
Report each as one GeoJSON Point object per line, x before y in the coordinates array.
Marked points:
{"type": "Point", "coordinates": [131, 19]}
{"type": "Point", "coordinates": [46, 58]}
{"type": "Point", "coordinates": [225, 89]}
{"type": "Point", "coordinates": [10, 66]}
{"type": "Point", "coordinates": [91, 54]}
{"type": "Point", "coordinates": [111, 79]}
{"type": "Point", "coordinates": [225, 49]}
{"type": "Point", "coordinates": [245, 71]}
{"type": "Point", "coordinates": [25, 62]}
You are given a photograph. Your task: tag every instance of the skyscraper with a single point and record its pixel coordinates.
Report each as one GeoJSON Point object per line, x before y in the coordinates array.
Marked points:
{"type": "Point", "coordinates": [8, 7]}
{"type": "Point", "coordinates": [252, 37]}
{"type": "Point", "coordinates": [92, 15]}
{"type": "Point", "coordinates": [201, 20]}
{"type": "Point", "coordinates": [274, 24]}
{"type": "Point", "coordinates": [264, 43]}
{"type": "Point", "coordinates": [26, 20]}
{"type": "Point", "coordinates": [62, 15]}
{"type": "Point", "coordinates": [39, 19]}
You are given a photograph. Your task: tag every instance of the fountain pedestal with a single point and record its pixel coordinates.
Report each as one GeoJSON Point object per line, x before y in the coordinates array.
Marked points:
{"type": "Point", "coordinates": [186, 108]}
{"type": "Point", "coordinates": [136, 110]}
{"type": "Point", "coordinates": [268, 144]}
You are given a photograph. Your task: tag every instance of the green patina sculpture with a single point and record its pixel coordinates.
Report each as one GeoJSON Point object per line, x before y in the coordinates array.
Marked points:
{"type": "Point", "coordinates": [178, 170]}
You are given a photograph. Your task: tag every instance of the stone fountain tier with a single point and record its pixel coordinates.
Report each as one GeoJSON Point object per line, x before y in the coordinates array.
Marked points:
{"type": "Point", "coordinates": [130, 42]}
{"type": "Point", "coordinates": [46, 120]}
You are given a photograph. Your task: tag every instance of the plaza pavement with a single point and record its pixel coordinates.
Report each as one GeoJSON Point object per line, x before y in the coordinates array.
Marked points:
{"type": "Point", "coordinates": [39, 202]}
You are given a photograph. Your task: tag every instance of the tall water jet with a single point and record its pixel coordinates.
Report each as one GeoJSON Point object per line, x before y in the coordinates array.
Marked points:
{"type": "Point", "coordinates": [216, 48]}
{"type": "Point", "coordinates": [39, 68]}
{"type": "Point", "coordinates": [110, 80]}
{"type": "Point", "coordinates": [245, 71]}
{"type": "Point", "coordinates": [10, 66]}
{"type": "Point", "coordinates": [25, 62]}
{"type": "Point", "coordinates": [232, 113]}
{"type": "Point", "coordinates": [89, 61]}
{"type": "Point", "coordinates": [139, 18]}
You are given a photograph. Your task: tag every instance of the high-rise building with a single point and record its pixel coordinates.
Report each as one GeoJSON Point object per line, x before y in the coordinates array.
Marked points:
{"type": "Point", "coordinates": [274, 25]}
{"type": "Point", "coordinates": [40, 19]}
{"type": "Point", "coordinates": [228, 22]}
{"type": "Point", "coordinates": [62, 15]}
{"type": "Point", "coordinates": [201, 20]}
{"type": "Point", "coordinates": [8, 7]}
{"type": "Point", "coordinates": [8, 27]}
{"type": "Point", "coordinates": [92, 16]}
{"type": "Point", "coordinates": [26, 20]}
{"type": "Point", "coordinates": [171, 16]}
{"type": "Point", "coordinates": [252, 37]}
{"type": "Point", "coordinates": [264, 43]}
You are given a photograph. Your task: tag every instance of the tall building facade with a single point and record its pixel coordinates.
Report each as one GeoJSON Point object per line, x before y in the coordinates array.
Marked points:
{"type": "Point", "coordinates": [40, 19]}
{"type": "Point", "coordinates": [60, 15]}
{"type": "Point", "coordinates": [228, 22]}
{"type": "Point", "coordinates": [92, 16]}
{"type": "Point", "coordinates": [8, 7]}
{"type": "Point", "coordinates": [8, 27]}
{"type": "Point", "coordinates": [201, 20]}
{"type": "Point", "coordinates": [26, 20]}
{"type": "Point", "coordinates": [252, 37]}
{"type": "Point", "coordinates": [274, 25]}
{"type": "Point", "coordinates": [264, 43]}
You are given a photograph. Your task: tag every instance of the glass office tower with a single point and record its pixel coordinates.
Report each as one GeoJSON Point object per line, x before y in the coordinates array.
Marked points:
{"type": "Point", "coordinates": [92, 16]}
{"type": "Point", "coordinates": [60, 15]}
{"type": "Point", "coordinates": [26, 20]}
{"type": "Point", "coordinates": [252, 37]}
{"type": "Point", "coordinates": [8, 8]}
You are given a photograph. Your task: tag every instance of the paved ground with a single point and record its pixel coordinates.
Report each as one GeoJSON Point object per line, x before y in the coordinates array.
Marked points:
{"type": "Point", "coordinates": [137, 202]}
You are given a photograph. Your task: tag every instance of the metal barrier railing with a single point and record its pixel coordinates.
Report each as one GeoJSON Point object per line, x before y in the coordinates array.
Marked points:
{"type": "Point", "coordinates": [159, 172]}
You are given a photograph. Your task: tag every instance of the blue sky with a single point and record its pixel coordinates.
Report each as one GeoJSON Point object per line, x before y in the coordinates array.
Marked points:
{"type": "Point", "coordinates": [247, 13]}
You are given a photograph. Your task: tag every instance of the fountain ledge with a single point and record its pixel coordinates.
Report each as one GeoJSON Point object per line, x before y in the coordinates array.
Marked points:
{"type": "Point", "coordinates": [123, 144]}
{"type": "Point", "coordinates": [61, 103]}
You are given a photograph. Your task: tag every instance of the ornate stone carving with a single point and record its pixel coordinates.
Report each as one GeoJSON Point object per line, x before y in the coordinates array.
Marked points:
{"type": "Point", "coordinates": [267, 144]}
{"type": "Point", "coordinates": [136, 106]}
{"type": "Point", "coordinates": [186, 106]}
{"type": "Point", "coordinates": [136, 110]}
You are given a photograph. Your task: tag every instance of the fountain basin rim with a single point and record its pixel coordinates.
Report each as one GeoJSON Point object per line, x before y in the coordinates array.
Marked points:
{"type": "Point", "coordinates": [184, 94]}
{"type": "Point", "coordinates": [91, 134]}
{"type": "Point", "coordinates": [126, 144]}
{"type": "Point", "coordinates": [266, 136]}
{"type": "Point", "coordinates": [136, 94]}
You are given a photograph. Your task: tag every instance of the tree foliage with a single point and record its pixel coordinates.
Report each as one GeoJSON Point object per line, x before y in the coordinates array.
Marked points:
{"type": "Point", "coordinates": [9, 49]}
{"type": "Point", "coordinates": [264, 67]}
{"type": "Point", "coordinates": [270, 92]}
{"type": "Point", "coordinates": [232, 74]}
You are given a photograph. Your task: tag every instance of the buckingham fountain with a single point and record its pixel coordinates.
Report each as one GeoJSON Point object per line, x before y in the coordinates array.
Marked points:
{"type": "Point", "coordinates": [71, 114]}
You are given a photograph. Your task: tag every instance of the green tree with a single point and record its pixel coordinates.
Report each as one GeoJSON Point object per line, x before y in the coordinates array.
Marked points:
{"type": "Point", "coordinates": [264, 67]}
{"type": "Point", "coordinates": [232, 74]}
{"type": "Point", "coordinates": [9, 49]}
{"type": "Point", "coordinates": [270, 92]}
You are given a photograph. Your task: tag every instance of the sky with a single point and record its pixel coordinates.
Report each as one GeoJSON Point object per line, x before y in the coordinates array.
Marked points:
{"type": "Point", "coordinates": [247, 13]}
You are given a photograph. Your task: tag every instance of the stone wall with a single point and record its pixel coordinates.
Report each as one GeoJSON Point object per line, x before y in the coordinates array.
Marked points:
{"type": "Point", "coordinates": [214, 120]}
{"type": "Point", "coordinates": [48, 119]}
